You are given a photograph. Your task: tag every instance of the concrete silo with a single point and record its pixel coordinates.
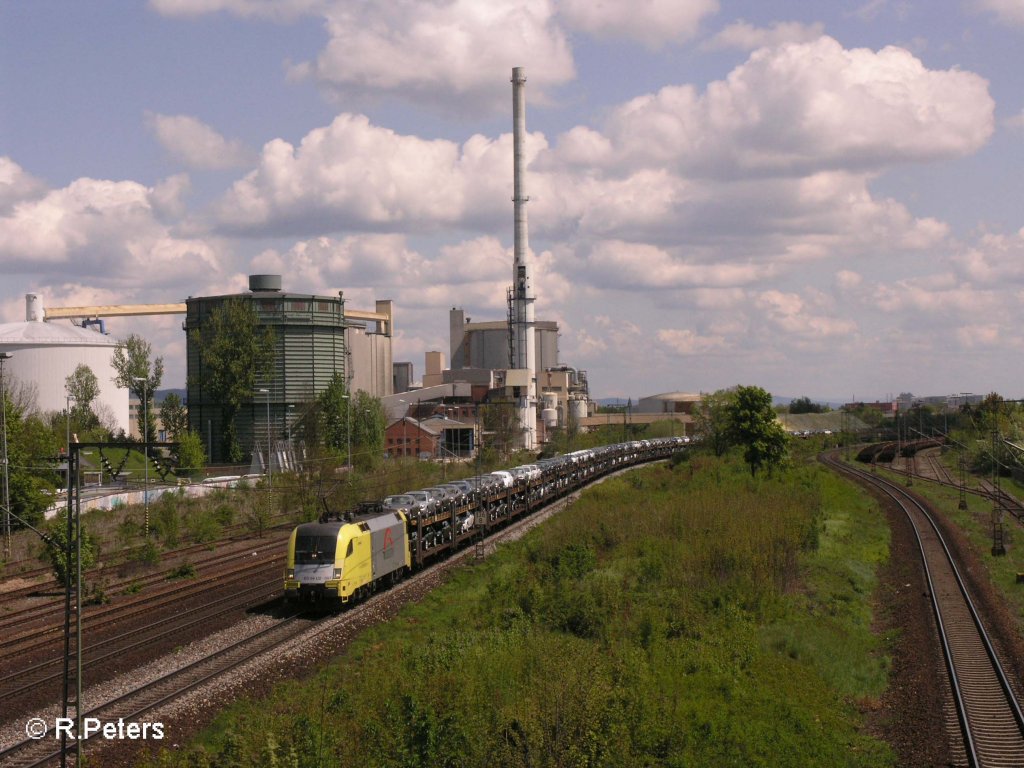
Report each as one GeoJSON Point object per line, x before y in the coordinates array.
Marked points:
{"type": "Point", "coordinates": [44, 354]}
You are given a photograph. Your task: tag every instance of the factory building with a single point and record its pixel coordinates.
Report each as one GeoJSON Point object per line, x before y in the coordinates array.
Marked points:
{"type": "Point", "coordinates": [488, 344]}
{"type": "Point", "coordinates": [480, 354]}
{"type": "Point", "coordinates": [314, 338]}
{"type": "Point", "coordinates": [402, 377]}
{"type": "Point", "coordinates": [44, 354]}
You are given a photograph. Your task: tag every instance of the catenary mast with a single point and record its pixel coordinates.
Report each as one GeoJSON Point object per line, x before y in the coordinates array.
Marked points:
{"type": "Point", "coordinates": [524, 355]}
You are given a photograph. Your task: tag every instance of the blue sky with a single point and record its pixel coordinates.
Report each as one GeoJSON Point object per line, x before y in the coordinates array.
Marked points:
{"type": "Point", "coordinates": [819, 198]}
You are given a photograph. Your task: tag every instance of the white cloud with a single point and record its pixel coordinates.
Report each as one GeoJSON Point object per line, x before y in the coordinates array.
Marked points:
{"type": "Point", "coordinates": [16, 185]}
{"type": "Point", "coordinates": [941, 297]}
{"type": "Point", "coordinates": [870, 10]}
{"type": "Point", "coordinates": [985, 335]}
{"type": "Point", "coordinates": [281, 10]}
{"type": "Point", "coordinates": [197, 144]}
{"type": "Point", "coordinates": [742, 35]}
{"type": "Point", "coordinates": [444, 54]}
{"type": "Point", "coordinates": [652, 23]}
{"type": "Point", "coordinates": [168, 197]}
{"type": "Point", "coordinates": [802, 108]}
{"type": "Point", "coordinates": [619, 265]}
{"type": "Point", "coordinates": [687, 342]}
{"type": "Point", "coordinates": [848, 280]}
{"type": "Point", "coordinates": [996, 260]}
{"type": "Point", "coordinates": [1016, 122]}
{"type": "Point", "coordinates": [799, 319]}
{"type": "Point", "coordinates": [740, 174]}
{"type": "Point", "coordinates": [355, 175]}
{"type": "Point", "coordinates": [1009, 12]}
{"type": "Point", "coordinates": [104, 229]}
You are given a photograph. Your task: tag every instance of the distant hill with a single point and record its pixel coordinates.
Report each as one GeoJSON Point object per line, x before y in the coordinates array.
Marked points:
{"type": "Point", "coordinates": [160, 394]}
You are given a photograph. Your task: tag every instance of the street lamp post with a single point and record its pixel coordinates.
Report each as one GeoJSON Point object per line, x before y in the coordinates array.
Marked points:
{"type": "Point", "coordinates": [348, 427]}
{"type": "Point", "coordinates": [145, 438]}
{"type": "Point", "coordinates": [270, 460]}
{"type": "Point", "coordinates": [405, 429]}
{"type": "Point", "coordinates": [3, 425]}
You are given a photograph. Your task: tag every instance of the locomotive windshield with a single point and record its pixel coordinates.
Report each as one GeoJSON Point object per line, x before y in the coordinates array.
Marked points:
{"type": "Point", "coordinates": [315, 550]}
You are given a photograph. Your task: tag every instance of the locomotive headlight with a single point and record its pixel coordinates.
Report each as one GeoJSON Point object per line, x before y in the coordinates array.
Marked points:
{"type": "Point", "coordinates": [290, 573]}
{"type": "Point", "coordinates": [337, 573]}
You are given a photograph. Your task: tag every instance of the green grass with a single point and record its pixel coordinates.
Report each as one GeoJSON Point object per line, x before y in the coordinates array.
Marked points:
{"type": "Point", "coordinates": [712, 619]}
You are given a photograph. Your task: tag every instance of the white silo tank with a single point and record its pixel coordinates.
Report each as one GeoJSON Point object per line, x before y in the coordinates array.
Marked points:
{"type": "Point", "coordinates": [44, 354]}
{"type": "Point", "coordinates": [550, 417]}
{"type": "Point", "coordinates": [549, 412]}
{"type": "Point", "coordinates": [578, 407]}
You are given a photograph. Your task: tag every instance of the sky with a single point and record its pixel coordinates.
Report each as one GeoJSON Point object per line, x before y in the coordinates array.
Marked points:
{"type": "Point", "coordinates": [821, 199]}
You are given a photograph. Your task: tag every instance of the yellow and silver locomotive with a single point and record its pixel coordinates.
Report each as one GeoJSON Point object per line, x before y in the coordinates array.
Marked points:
{"type": "Point", "coordinates": [347, 559]}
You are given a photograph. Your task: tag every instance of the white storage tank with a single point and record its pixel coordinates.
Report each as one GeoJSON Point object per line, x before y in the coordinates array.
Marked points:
{"type": "Point", "coordinates": [550, 417]}
{"type": "Point", "coordinates": [44, 354]}
{"type": "Point", "coordinates": [578, 408]}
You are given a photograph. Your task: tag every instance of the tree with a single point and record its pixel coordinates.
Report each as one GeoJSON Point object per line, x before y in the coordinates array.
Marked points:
{"type": "Point", "coordinates": [56, 548]}
{"type": "Point", "coordinates": [191, 454]}
{"type": "Point", "coordinates": [364, 414]}
{"type": "Point", "coordinates": [29, 440]}
{"type": "Point", "coordinates": [752, 425]}
{"type": "Point", "coordinates": [712, 422]}
{"type": "Point", "coordinates": [84, 388]}
{"type": "Point", "coordinates": [804, 405]}
{"type": "Point", "coordinates": [136, 374]}
{"type": "Point", "coordinates": [235, 352]}
{"type": "Point", "coordinates": [500, 425]}
{"type": "Point", "coordinates": [369, 420]}
{"type": "Point", "coordinates": [174, 416]}
{"type": "Point", "coordinates": [332, 416]}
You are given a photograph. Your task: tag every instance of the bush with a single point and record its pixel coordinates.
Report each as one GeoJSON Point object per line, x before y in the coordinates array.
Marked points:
{"type": "Point", "coordinates": [224, 513]}
{"type": "Point", "coordinates": [55, 550]}
{"type": "Point", "coordinates": [184, 571]}
{"type": "Point", "coordinates": [148, 553]}
{"type": "Point", "coordinates": [165, 521]}
{"type": "Point", "coordinates": [204, 527]}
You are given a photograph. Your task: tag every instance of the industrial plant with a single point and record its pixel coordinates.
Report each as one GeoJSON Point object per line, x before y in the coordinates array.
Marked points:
{"type": "Point", "coordinates": [513, 361]}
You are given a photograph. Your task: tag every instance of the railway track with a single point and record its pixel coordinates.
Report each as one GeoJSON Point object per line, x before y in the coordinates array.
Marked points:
{"type": "Point", "coordinates": [133, 705]}
{"type": "Point", "coordinates": [929, 467]}
{"type": "Point", "coordinates": [990, 718]}
{"type": "Point", "coordinates": [101, 657]}
{"type": "Point", "coordinates": [146, 697]}
{"type": "Point", "coordinates": [37, 623]}
{"type": "Point", "coordinates": [99, 574]}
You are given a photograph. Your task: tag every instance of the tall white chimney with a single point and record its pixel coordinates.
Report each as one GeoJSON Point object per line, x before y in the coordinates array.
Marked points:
{"type": "Point", "coordinates": [524, 354]}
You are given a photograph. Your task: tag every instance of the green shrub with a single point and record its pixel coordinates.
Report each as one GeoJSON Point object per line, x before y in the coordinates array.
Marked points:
{"type": "Point", "coordinates": [204, 527]}
{"type": "Point", "coordinates": [148, 553]}
{"type": "Point", "coordinates": [185, 570]}
{"type": "Point", "coordinates": [224, 513]}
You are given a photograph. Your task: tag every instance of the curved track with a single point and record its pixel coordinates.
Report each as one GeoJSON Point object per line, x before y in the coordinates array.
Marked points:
{"type": "Point", "coordinates": [991, 721]}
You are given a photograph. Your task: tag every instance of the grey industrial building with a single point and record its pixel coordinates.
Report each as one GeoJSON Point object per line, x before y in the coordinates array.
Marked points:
{"type": "Point", "coordinates": [488, 344]}
{"type": "Point", "coordinates": [314, 338]}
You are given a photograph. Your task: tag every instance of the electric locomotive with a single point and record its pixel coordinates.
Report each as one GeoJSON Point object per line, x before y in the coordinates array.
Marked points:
{"type": "Point", "coordinates": [347, 559]}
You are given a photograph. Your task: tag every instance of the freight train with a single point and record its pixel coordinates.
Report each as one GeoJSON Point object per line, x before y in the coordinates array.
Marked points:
{"type": "Point", "coordinates": [346, 557]}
